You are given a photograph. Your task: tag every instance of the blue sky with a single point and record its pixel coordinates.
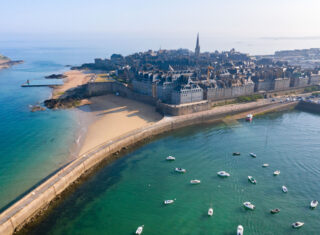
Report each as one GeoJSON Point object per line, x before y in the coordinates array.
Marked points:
{"type": "Point", "coordinates": [161, 21]}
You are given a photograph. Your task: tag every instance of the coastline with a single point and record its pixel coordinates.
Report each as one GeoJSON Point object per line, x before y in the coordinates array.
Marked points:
{"type": "Point", "coordinates": [37, 201]}
{"type": "Point", "coordinates": [6, 63]}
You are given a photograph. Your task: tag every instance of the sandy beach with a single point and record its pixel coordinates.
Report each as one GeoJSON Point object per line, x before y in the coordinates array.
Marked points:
{"type": "Point", "coordinates": [74, 78]}
{"type": "Point", "coordinates": [114, 116]}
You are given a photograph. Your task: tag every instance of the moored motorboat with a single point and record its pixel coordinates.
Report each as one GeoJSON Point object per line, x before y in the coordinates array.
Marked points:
{"type": "Point", "coordinates": [265, 165]}
{"type": "Point", "coordinates": [240, 230]}
{"type": "Point", "coordinates": [277, 172]}
{"type": "Point", "coordinates": [251, 179]}
{"type": "Point", "coordinates": [297, 224]}
{"type": "Point", "coordinates": [236, 153]}
{"type": "Point", "coordinates": [166, 202]}
{"type": "Point", "coordinates": [195, 181]}
{"type": "Point", "coordinates": [253, 155]}
{"type": "Point", "coordinates": [180, 170]}
{"type": "Point", "coordinates": [249, 117]}
{"type": "Point", "coordinates": [223, 174]}
{"type": "Point", "coordinates": [284, 189]}
{"type": "Point", "coordinates": [275, 211]}
{"type": "Point", "coordinates": [314, 204]}
{"type": "Point", "coordinates": [249, 205]}
{"type": "Point", "coordinates": [210, 211]}
{"type": "Point", "coordinates": [170, 158]}
{"type": "Point", "coordinates": [139, 229]}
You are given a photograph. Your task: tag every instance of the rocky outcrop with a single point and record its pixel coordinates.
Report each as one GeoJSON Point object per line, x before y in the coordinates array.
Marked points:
{"type": "Point", "coordinates": [7, 63]}
{"type": "Point", "coordinates": [56, 76]}
{"type": "Point", "coordinates": [68, 102]}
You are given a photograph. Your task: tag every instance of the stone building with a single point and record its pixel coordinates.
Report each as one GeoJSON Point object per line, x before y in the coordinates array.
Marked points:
{"type": "Point", "coordinates": [187, 94]}
{"type": "Point", "coordinates": [220, 93]}
{"type": "Point", "coordinates": [314, 79]}
{"type": "Point", "coordinates": [281, 84]}
{"type": "Point", "coordinates": [264, 85]}
{"type": "Point", "coordinates": [164, 90]}
{"type": "Point", "coordinates": [300, 81]}
{"type": "Point", "coordinates": [144, 83]}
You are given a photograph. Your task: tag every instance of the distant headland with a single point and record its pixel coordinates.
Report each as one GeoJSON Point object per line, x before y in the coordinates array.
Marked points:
{"type": "Point", "coordinates": [5, 62]}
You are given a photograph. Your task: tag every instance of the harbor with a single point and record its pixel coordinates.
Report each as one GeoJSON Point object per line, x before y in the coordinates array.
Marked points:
{"type": "Point", "coordinates": [152, 178]}
{"type": "Point", "coordinates": [34, 202]}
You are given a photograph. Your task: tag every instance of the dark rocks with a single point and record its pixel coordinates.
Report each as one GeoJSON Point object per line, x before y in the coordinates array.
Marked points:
{"type": "Point", "coordinates": [68, 102]}
{"type": "Point", "coordinates": [56, 76]}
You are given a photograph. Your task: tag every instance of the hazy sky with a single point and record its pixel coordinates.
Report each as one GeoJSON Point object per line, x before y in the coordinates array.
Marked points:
{"type": "Point", "coordinates": [210, 17]}
{"type": "Point", "coordinates": [170, 19]}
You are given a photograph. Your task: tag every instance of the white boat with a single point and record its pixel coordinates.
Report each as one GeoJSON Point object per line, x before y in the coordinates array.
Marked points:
{"type": "Point", "coordinates": [297, 224]}
{"type": "Point", "coordinates": [265, 165]}
{"type": "Point", "coordinates": [253, 155]}
{"type": "Point", "coordinates": [210, 212]}
{"type": "Point", "coordinates": [195, 181]}
{"type": "Point", "coordinates": [249, 205]}
{"type": "Point", "coordinates": [223, 174]}
{"type": "Point", "coordinates": [180, 170]}
{"type": "Point", "coordinates": [166, 202]}
{"type": "Point", "coordinates": [314, 204]}
{"type": "Point", "coordinates": [249, 117]}
{"type": "Point", "coordinates": [277, 172]}
{"type": "Point", "coordinates": [252, 180]}
{"type": "Point", "coordinates": [284, 189]}
{"type": "Point", "coordinates": [170, 158]}
{"type": "Point", "coordinates": [240, 230]}
{"type": "Point", "coordinates": [139, 229]}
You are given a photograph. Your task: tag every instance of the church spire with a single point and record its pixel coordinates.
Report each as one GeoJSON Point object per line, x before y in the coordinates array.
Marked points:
{"type": "Point", "coordinates": [197, 50]}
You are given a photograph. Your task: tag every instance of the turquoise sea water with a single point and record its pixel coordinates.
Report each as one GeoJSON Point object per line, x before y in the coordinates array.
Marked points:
{"type": "Point", "coordinates": [130, 191]}
{"type": "Point", "coordinates": [33, 145]}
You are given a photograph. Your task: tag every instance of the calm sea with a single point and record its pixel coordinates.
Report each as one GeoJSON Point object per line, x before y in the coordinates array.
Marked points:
{"type": "Point", "coordinates": [130, 191]}
{"type": "Point", "coordinates": [33, 145]}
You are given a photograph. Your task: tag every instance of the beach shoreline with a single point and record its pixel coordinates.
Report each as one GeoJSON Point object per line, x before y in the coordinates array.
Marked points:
{"type": "Point", "coordinates": [37, 201]}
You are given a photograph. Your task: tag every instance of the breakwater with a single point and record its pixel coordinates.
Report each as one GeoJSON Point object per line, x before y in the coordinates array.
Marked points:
{"type": "Point", "coordinates": [37, 200]}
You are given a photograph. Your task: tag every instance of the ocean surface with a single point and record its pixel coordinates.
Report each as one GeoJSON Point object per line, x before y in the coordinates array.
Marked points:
{"type": "Point", "coordinates": [34, 144]}
{"type": "Point", "coordinates": [130, 191]}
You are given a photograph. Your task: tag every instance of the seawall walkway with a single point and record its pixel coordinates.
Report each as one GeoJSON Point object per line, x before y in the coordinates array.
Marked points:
{"type": "Point", "coordinates": [20, 213]}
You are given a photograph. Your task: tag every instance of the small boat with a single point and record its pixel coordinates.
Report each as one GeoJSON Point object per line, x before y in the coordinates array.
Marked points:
{"type": "Point", "coordinates": [275, 211]}
{"type": "Point", "coordinates": [223, 174]}
{"type": "Point", "coordinates": [253, 155]}
{"type": "Point", "coordinates": [277, 172]}
{"type": "Point", "coordinates": [240, 230]}
{"type": "Point", "coordinates": [236, 154]}
{"type": "Point", "coordinates": [210, 212]}
{"type": "Point", "coordinates": [170, 158]}
{"type": "Point", "coordinates": [139, 229]}
{"type": "Point", "coordinates": [249, 205]}
{"type": "Point", "coordinates": [314, 204]}
{"type": "Point", "coordinates": [284, 189]}
{"type": "Point", "coordinates": [297, 224]}
{"type": "Point", "coordinates": [166, 202]}
{"type": "Point", "coordinates": [251, 179]}
{"type": "Point", "coordinates": [195, 181]}
{"type": "Point", "coordinates": [180, 170]}
{"type": "Point", "coordinates": [249, 117]}
{"type": "Point", "coordinates": [265, 165]}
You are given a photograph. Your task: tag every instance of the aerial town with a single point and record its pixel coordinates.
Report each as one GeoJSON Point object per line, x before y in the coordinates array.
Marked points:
{"type": "Point", "coordinates": [182, 76]}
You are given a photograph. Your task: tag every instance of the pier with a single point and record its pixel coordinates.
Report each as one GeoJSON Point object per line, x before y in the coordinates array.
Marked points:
{"type": "Point", "coordinates": [40, 83]}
